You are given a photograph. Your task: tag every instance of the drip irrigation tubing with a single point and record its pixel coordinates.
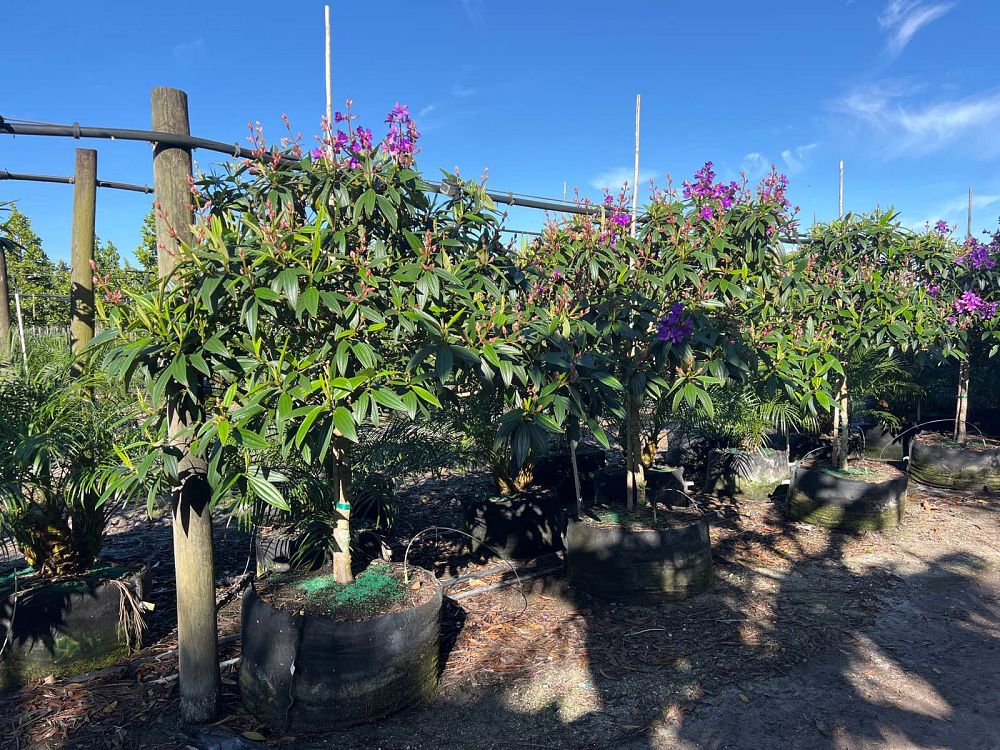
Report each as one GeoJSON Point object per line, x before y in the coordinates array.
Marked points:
{"type": "Point", "coordinates": [5, 175]}
{"type": "Point", "coordinates": [161, 139]}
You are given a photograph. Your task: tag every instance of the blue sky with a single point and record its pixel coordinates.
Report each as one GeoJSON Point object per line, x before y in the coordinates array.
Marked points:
{"type": "Point", "coordinates": [904, 91]}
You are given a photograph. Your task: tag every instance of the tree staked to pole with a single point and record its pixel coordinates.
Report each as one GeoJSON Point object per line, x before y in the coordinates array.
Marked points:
{"type": "Point", "coordinates": [81, 294]}
{"type": "Point", "coordinates": [191, 497]}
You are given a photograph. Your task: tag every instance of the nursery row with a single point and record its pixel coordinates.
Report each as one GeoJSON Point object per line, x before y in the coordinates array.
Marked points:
{"type": "Point", "coordinates": [330, 327]}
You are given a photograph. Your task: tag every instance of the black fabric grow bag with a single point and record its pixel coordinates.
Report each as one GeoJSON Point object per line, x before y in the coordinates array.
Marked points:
{"type": "Point", "coordinates": [308, 673]}
{"type": "Point", "coordinates": [640, 566]}
{"type": "Point", "coordinates": [664, 484]}
{"type": "Point", "coordinates": [955, 466]}
{"type": "Point", "coordinates": [887, 445]}
{"type": "Point", "coordinates": [64, 628]}
{"type": "Point", "coordinates": [518, 526]}
{"type": "Point", "coordinates": [753, 475]}
{"type": "Point", "coordinates": [819, 497]}
{"type": "Point", "coordinates": [555, 472]}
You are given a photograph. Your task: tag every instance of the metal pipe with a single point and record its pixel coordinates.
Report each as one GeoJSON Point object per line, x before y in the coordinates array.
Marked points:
{"type": "Point", "coordinates": [5, 175]}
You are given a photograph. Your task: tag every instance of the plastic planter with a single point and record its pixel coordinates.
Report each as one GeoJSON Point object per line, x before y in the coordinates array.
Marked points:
{"type": "Point", "coordinates": [65, 627]}
{"type": "Point", "coordinates": [640, 566]}
{"type": "Point", "coordinates": [823, 497]}
{"type": "Point", "coordinates": [664, 484]}
{"type": "Point", "coordinates": [517, 526]}
{"type": "Point", "coordinates": [946, 464]}
{"type": "Point", "coordinates": [305, 672]}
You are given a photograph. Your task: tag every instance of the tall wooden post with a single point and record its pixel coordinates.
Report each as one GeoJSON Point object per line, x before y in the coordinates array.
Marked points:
{"type": "Point", "coordinates": [4, 305]}
{"type": "Point", "coordinates": [81, 293]}
{"type": "Point", "coordinates": [194, 568]}
{"type": "Point", "coordinates": [635, 172]}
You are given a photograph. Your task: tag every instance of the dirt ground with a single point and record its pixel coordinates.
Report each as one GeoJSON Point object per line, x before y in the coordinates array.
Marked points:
{"type": "Point", "coordinates": [808, 639]}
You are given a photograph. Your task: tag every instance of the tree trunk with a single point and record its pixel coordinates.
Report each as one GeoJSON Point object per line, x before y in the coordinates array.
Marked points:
{"type": "Point", "coordinates": [342, 570]}
{"type": "Point", "coordinates": [81, 294]}
{"type": "Point", "coordinates": [5, 347]}
{"type": "Point", "coordinates": [962, 405]}
{"type": "Point", "coordinates": [194, 569]}
{"type": "Point", "coordinates": [845, 435]}
{"type": "Point", "coordinates": [635, 481]}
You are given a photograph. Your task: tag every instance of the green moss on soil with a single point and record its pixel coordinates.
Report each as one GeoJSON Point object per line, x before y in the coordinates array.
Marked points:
{"type": "Point", "coordinates": [639, 520]}
{"type": "Point", "coordinates": [803, 508]}
{"type": "Point", "coordinates": [373, 591]}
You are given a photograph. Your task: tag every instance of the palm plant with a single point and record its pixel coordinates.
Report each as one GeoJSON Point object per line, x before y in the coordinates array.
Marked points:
{"type": "Point", "coordinates": [57, 432]}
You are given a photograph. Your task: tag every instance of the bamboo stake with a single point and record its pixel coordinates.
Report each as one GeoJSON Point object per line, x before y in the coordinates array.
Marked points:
{"type": "Point", "coordinates": [964, 367]}
{"type": "Point", "coordinates": [329, 89]}
{"type": "Point", "coordinates": [635, 172]}
{"type": "Point", "coordinates": [4, 306]}
{"type": "Point", "coordinates": [20, 329]}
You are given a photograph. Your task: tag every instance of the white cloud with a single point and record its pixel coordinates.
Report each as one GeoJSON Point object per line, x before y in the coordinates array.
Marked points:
{"type": "Point", "coordinates": [955, 212]}
{"type": "Point", "coordinates": [921, 128]}
{"type": "Point", "coordinates": [424, 111]}
{"type": "Point", "coordinates": [796, 158]}
{"type": "Point", "coordinates": [756, 165]}
{"type": "Point", "coordinates": [463, 91]}
{"type": "Point", "coordinates": [473, 10]}
{"type": "Point", "coordinates": [902, 19]}
{"type": "Point", "coordinates": [614, 179]}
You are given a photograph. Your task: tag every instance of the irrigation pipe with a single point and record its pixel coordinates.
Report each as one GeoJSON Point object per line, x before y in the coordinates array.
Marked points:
{"type": "Point", "coordinates": [5, 175]}
{"type": "Point", "coordinates": [924, 424]}
{"type": "Point", "coordinates": [160, 138]}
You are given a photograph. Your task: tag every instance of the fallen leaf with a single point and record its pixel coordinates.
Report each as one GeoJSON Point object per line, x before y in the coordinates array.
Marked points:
{"type": "Point", "coordinates": [256, 736]}
{"type": "Point", "coordinates": [744, 698]}
{"type": "Point", "coordinates": [415, 585]}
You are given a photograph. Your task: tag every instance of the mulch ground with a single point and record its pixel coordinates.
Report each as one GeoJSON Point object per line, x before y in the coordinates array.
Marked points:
{"type": "Point", "coordinates": [784, 592]}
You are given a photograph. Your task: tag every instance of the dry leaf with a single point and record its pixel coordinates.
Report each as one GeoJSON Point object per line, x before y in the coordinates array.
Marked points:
{"type": "Point", "coordinates": [415, 585]}
{"type": "Point", "coordinates": [744, 698]}
{"type": "Point", "coordinates": [256, 736]}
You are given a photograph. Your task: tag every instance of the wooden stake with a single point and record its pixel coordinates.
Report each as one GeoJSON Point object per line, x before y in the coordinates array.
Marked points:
{"type": "Point", "coordinates": [194, 567]}
{"type": "Point", "coordinates": [635, 172]}
{"type": "Point", "coordinates": [81, 293]}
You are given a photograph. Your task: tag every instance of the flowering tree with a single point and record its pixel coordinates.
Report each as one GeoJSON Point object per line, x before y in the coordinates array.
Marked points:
{"type": "Point", "coordinates": [966, 294]}
{"type": "Point", "coordinates": [858, 283]}
{"type": "Point", "coordinates": [325, 291]}
{"type": "Point", "coordinates": [703, 281]}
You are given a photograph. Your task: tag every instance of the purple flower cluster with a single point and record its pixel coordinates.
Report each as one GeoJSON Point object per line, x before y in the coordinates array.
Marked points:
{"type": "Point", "coordinates": [942, 228]}
{"type": "Point", "coordinates": [705, 187]}
{"type": "Point", "coordinates": [933, 290]}
{"type": "Point", "coordinates": [977, 255]}
{"type": "Point", "coordinates": [774, 189]}
{"type": "Point", "coordinates": [971, 303]}
{"type": "Point", "coordinates": [618, 225]}
{"type": "Point", "coordinates": [402, 137]}
{"type": "Point", "coordinates": [674, 327]}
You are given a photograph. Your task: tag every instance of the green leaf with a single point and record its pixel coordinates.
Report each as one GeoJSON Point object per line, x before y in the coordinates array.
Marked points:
{"type": "Point", "coordinates": [344, 422]}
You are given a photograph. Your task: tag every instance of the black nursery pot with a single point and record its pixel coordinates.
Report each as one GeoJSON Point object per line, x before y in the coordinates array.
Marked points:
{"type": "Point", "coordinates": [640, 566]}
{"type": "Point", "coordinates": [750, 475]}
{"type": "Point", "coordinates": [308, 673]}
{"type": "Point", "coordinates": [884, 445]}
{"type": "Point", "coordinates": [65, 627]}
{"type": "Point", "coordinates": [825, 498]}
{"type": "Point", "coordinates": [518, 526]}
{"type": "Point", "coordinates": [664, 484]}
{"type": "Point", "coordinates": [555, 472]}
{"type": "Point", "coordinates": [955, 466]}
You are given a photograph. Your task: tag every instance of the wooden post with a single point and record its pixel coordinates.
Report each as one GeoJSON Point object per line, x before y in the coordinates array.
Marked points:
{"type": "Point", "coordinates": [964, 367]}
{"type": "Point", "coordinates": [841, 400]}
{"type": "Point", "coordinates": [194, 570]}
{"type": "Point", "coordinates": [4, 306]}
{"type": "Point", "coordinates": [635, 172]}
{"type": "Point", "coordinates": [81, 293]}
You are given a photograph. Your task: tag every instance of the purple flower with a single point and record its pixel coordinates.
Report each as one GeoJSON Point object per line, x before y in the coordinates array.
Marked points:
{"type": "Point", "coordinates": [340, 141]}
{"type": "Point", "coordinates": [557, 275]}
{"type": "Point", "coordinates": [608, 200]}
{"type": "Point", "coordinates": [620, 219]}
{"type": "Point", "coordinates": [674, 327]}
{"type": "Point", "coordinates": [933, 289]}
{"type": "Point", "coordinates": [977, 256]}
{"type": "Point", "coordinates": [706, 213]}
{"type": "Point", "coordinates": [399, 113]}
{"type": "Point", "coordinates": [353, 163]}
{"type": "Point", "coordinates": [338, 117]}
{"type": "Point", "coordinates": [972, 304]}
{"type": "Point", "coordinates": [316, 154]}
{"type": "Point", "coordinates": [942, 228]}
